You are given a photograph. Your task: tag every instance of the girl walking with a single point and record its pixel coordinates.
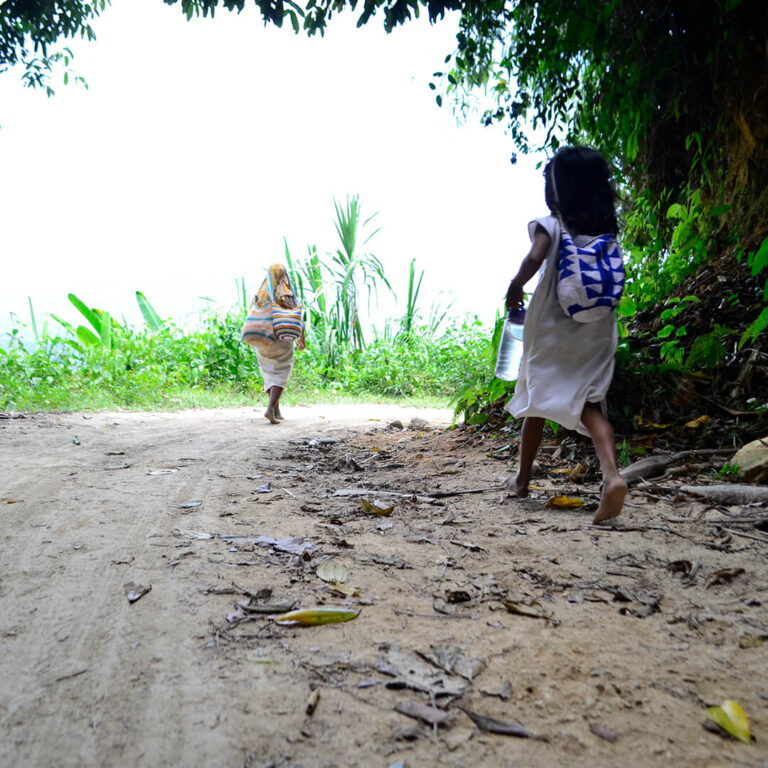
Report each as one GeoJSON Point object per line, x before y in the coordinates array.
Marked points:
{"type": "Point", "coordinates": [567, 366]}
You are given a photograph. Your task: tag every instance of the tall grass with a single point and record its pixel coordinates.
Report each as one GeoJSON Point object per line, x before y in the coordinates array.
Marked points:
{"type": "Point", "coordinates": [171, 366]}
{"type": "Point", "coordinates": [102, 363]}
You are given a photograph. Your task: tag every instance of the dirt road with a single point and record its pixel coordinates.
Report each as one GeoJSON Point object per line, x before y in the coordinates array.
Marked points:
{"type": "Point", "coordinates": [633, 631]}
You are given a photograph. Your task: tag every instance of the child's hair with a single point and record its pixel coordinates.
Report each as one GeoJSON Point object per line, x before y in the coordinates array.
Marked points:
{"type": "Point", "coordinates": [577, 187]}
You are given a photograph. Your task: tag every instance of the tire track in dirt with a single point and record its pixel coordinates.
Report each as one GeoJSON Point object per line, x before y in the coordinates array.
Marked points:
{"type": "Point", "coordinates": [90, 679]}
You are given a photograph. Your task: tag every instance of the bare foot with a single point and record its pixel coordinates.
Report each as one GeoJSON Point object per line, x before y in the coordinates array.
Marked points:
{"type": "Point", "coordinates": [517, 486]}
{"type": "Point", "coordinates": [271, 416]}
{"type": "Point", "coordinates": [278, 414]}
{"type": "Point", "coordinates": [611, 500]}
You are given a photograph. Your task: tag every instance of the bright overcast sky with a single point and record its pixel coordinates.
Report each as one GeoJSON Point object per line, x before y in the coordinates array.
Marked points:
{"type": "Point", "coordinates": [200, 145]}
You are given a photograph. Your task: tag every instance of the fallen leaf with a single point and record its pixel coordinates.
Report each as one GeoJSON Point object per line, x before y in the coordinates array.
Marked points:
{"type": "Point", "coordinates": [732, 719]}
{"type": "Point", "coordinates": [9, 501]}
{"type": "Point", "coordinates": [604, 733]}
{"type": "Point", "coordinates": [332, 571]}
{"type": "Point", "coordinates": [262, 489]}
{"type": "Point", "coordinates": [190, 504]}
{"type": "Point", "coordinates": [345, 590]}
{"type": "Point", "coordinates": [565, 502]}
{"type": "Point", "coordinates": [253, 606]}
{"type": "Point", "coordinates": [185, 533]}
{"type": "Point", "coordinates": [313, 616]}
{"type": "Point", "coordinates": [492, 725]}
{"type": "Point", "coordinates": [135, 592]}
{"type": "Point", "coordinates": [411, 671]}
{"type": "Point", "coordinates": [752, 641]}
{"type": "Point", "coordinates": [723, 576]}
{"type": "Point", "coordinates": [535, 609]}
{"type": "Point", "coordinates": [697, 422]}
{"type": "Point", "coordinates": [647, 424]}
{"type": "Point", "coordinates": [577, 473]}
{"type": "Point", "coordinates": [457, 596]}
{"type": "Point", "coordinates": [312, 702]}
{"type": "Point", "coordinates": [419, 711]}
{"type": "Point", "coordinates": [371, 509]}
{"type": "Point", "coordinates": [451, 658]}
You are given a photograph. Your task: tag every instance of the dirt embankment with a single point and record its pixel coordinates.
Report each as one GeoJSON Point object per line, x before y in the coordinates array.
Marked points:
{"type": "Point", "coordinates": [635, 629]}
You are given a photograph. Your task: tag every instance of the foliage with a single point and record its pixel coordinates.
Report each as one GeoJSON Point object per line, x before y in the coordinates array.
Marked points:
{"type": "Point", "coordinates": [330, 289]}
{"type": "Point", "coordinates": [484, 389]}
{"type": "Point", "coordinates": [106, 364]}
{"type": "Point", "coordinates": [30, 29]}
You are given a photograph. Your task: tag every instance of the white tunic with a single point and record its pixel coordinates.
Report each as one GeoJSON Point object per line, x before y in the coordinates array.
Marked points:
{"type": "Point", "coordinates": [565, 363]}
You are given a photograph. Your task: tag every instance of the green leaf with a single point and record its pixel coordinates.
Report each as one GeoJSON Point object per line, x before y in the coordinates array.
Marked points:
{"type": "Point", "coordinates": [313, 616]}
{"type": "Point", "coordinates": [87, 336]}
{"type": "Point", "coordinates": [676, 211]}
{"type": "Point", "coordinates": [106, 331]}
{"type": "Point", "coordinates": [627, 306]}
{"type": "Point", "coordinates": [89, 314]}
{"type": "Point", "coordinates": [760, 260]}
{"type": "Point", "coordinates": [755, 328]}
{"type": "Point", "coordinates": [151, 318]}
{"type": "Point", "coordinates": [732, 719]}
{"type": "Point", "coordinates": [666, 331]}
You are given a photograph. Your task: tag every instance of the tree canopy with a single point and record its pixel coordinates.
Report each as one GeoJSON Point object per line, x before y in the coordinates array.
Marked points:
{"type": "Point", "coordinates": [674, 93]}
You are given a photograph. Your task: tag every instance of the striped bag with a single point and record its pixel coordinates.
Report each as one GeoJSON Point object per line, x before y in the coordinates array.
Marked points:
{"type": "Point", "coordinates": [287, 323]}
{"type": "Point", "coordinates": [258, 324]}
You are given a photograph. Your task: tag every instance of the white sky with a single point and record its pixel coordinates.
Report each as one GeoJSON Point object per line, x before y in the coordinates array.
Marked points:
{"type": "Point", "coordinates": [201, 144]}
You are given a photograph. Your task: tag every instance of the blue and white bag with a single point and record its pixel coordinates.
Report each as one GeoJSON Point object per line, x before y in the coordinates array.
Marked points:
{"type": "Point", "coordinates": [590, 280]}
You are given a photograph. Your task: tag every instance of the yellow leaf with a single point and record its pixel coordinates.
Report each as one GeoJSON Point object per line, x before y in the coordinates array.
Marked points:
{"type": "Point", "coordinates": [731, 718]}
{"type": "Point", "coordinates": [372, 509]}
{"type": "Point", "coordinates": [698, 422]}
{"type": "Point", "coordinates": [535, 609]}
{"type": "Point", "coordinates": [332, 571]}
{"type": "Point", "coordinates": [577, 472]}
{"type": "Point", "coordinates": [312, 616]}
{"type": "Point", "coordinates": [642, 423]}
{"type": "Point", "coordinates": [566, 502]}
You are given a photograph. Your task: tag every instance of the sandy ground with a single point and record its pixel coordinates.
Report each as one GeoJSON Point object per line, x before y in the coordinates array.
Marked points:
{"type": "Point", "coordinates": [636, 630]}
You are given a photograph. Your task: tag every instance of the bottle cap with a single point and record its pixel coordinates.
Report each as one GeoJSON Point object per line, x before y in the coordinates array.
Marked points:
{"type": "Point", "coordinates": [516, 316]}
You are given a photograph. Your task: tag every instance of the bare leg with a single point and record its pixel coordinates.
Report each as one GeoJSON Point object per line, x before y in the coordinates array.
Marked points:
{"type": "Point", "coordinates": [614, 486]}
{"type": "Point", "coordinates": [533, 428]}
{"type": "Point", "coordinates": [273, 407]}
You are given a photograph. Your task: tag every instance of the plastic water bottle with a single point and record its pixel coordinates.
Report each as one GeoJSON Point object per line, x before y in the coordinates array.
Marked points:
{"type": "Point", "coordinates": [511, 346]}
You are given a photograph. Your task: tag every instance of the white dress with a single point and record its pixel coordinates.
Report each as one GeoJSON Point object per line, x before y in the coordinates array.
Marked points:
{"type": "Point", "coordinates": [565, 363]}
{"type": "Point", "coordinates": [275, 361]}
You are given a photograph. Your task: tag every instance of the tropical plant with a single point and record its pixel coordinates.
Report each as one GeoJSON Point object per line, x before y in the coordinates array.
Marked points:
{"type": "Point", "coordinates": [331, 289]}
{"type": "Point", "coordinates": [353, 269]}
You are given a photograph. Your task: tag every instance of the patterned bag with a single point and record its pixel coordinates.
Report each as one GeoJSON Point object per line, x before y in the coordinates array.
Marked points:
{"type": "Point", "coordinates": [286, 323]}
{"type": "Point", "coordinates": [591, 279]}
{"type": "Point", "coordinates": [258, 324]}
{"type": "Point", "coordinates": [272, 322]}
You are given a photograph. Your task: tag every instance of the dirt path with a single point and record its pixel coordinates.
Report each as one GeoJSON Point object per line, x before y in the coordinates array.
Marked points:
{"type": "Point", "coordinates": [639, 633]}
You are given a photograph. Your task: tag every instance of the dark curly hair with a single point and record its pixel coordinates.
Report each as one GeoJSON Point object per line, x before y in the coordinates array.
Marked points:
{"type": "Point", "coordinates": [578, 189]}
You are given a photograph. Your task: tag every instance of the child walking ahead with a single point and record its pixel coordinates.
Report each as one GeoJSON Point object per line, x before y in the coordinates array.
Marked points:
{"type": "Point", "coordinates": [567, 366]}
